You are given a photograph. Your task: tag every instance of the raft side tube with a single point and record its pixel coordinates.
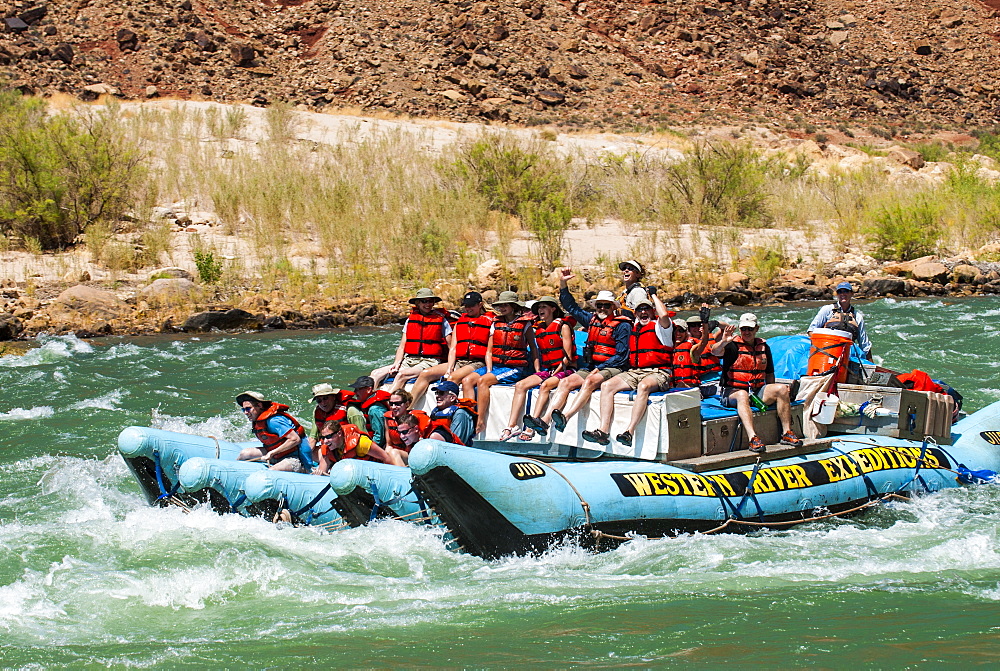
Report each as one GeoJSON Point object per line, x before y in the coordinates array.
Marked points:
{"type": "Point", "coordinates": [141, 441]}
{"type": "Point", "coordinates": [358, 483]}
{"type": "Point", "coordinates": [309, 497]}
{"type": "Point", "coordinates": [222, 478]}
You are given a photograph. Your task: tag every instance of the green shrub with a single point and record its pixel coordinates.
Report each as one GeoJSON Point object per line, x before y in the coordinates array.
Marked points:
{"type": "Point", "coordinates": [61, 173]}
{"type": "Point", "coordinates": [209, 267]}
{"type": "Point", "coordinates": [900, 232]}
{"type": "Point", "coordinates": [548, 221]}
{"type": "Point", "coordinates": [766, 260]}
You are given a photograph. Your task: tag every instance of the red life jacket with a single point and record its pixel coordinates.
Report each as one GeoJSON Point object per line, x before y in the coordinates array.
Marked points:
{"type": "Point", "coordinates": [472, 334]}
{"type": "Point", "coordinates": [425, 335]}
{"type": "Point", "coordinates": [352, 438]}
{"type": "Point", "coordinates": [272, 440]}
{"type": "Point", "coordinates": [685, 375]}
{"type": "Point", "coordinates": [338, 413]}
{"type": "Point", "coordinates": [749, 371]}
{"type": "Point", "coordinates": [645, 349]}
{"type": "Point", "coordinates": [424, 424]}
{"type": "Point", "coordinates": [442, 418]}
{"type": "Point", "coordinates": [510, 347]}
{"type": "Point", "coordinates": [550, 343]}
{"type": "Point", "coordinates": [708, 363]}
{"type": "Point", "coordinates": [601, 339]}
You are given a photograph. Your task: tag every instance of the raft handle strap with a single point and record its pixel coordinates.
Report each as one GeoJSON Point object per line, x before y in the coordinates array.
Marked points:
{"type": "Point", "coordinates": [873, 492]}
{"type": "Point", "coordinates": [748, 492]}
{"type": "Point", "coordinates": [296, 513]}
{"type": "Point", "coordinates": [164, 494]}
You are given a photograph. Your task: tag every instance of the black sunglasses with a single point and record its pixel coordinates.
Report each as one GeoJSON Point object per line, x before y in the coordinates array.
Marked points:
{"type": "Point", "coordinates": [397, 402]}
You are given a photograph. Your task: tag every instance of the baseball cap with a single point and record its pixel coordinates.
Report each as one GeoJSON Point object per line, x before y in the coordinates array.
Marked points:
{"type": "Point", "coordinates": [472, 298]}
{"type": "Point", "coordinates": [845, 286]}
{"type": "Point", "coordinates": [748, 319]}
{"type": "Point", "coordinates": [363, 381]}
{"type": "Point", "coordinates": [447, 386]}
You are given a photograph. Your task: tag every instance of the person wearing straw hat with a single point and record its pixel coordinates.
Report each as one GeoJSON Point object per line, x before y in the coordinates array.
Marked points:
{"type": "Point", "coordinates": [467, 352]}
{"type": "Point", "coordinates": [651, 347]}
{"type": "Point", "coordinates": [748, 368]}
{"type": "Point", "coordinates": [632, 274]}
{"type": "Point", "coordinates": [331, 406]}
{"type": "Point", "coordinates": [283, 447]}
{"type": "Point", "coordinates": [510, 353]}
{"type": "Point", "coordinates": [842, 316]}
{"type": "Point", "coordinates": [556, 353]}
{"type": "Point", "coordinates": [424, 343]}
{"type": "Point", "coordinates": [604, 356]}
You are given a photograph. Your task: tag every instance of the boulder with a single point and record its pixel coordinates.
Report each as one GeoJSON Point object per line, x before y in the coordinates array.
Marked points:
{"type": "Point", "coordinates": [733, 280]}
{"type": "Point", "coordinates": [487, 274]}
{"type": "Point", "coordinates": [170, 272]}
{"type": "Point", "coordinates": [85, 302]}
{"type": "Point", "coordinates": [906, 157]}
{"type": "Point", "coordinates": [729, 298]}
{"type": "Point", "coordinates": [800, 275]}
{"type": "Point", "coordinates": [931, 271]}
{"type": "Point", "coordinates": [230, 320]}
{"type": "Point", "coordinates": [964, 273]}
{"type": "Point", "coordinates": [905, 268]}
{"type": "Point", "coordinates": [10, 327]}
{"type": "Point", "coordinates": [884, 286]}
{"type": "Point", "coordinates": [170, 290]}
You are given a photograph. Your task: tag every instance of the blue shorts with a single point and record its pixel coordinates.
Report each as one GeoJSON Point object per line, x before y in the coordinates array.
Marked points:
{"type": "Point", "coordinates": [506, 375]}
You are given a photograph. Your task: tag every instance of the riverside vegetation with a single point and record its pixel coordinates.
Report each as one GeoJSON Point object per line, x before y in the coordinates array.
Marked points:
{"type": "Point", "coordinates": [366, 216]}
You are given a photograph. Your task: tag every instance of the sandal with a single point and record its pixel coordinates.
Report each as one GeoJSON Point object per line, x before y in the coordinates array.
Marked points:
{"type": "Point", "coordinates": [506, 434]}
{"type": "Point", "coordinates": [625, 438]}
{"type": "Point", "coordinates": [558, 420]}
{"type": "Point", "coordinates": [597, 436]}
{"type": "Point", "coordinates": [536, 423]}
{"type": "Point", "coordinates": [527, 435]}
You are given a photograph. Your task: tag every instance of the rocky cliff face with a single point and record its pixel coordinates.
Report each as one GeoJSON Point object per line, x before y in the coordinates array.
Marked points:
{"type": "Point", "coordinates": [592, 62]}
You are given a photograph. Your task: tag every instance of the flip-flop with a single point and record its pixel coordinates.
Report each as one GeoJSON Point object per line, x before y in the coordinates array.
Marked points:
{"type": "Point", "coordinates": [529, 422]}
{"type": "Point", "coordinates": [527, 435]}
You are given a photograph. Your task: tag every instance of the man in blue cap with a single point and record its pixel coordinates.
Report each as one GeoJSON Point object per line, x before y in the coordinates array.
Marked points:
{"type": "Point", "coordinates": [842, 316]}
{"type": "Point", "coordinates": [458, 415]}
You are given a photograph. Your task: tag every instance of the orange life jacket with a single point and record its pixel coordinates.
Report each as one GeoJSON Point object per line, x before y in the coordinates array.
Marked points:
{"type": "Point", "coordinates": [472, 334]}
{"type": "Point", "coordinates": [352, 439]}
{"type": "Point", "coordinates": [272, 440]}
{"type": "Point", "coordinates": [749, 371]}
{"type": "Point", "coordinates": [510, 346]}
{"type": "Point", "coordinates": [601, 339]}
{"type": "Point", "coordinates": [442, 418]}
{"type": "Point", "coordinates": [645, 349]}
{"type": "Point", "coordinates": [425, 426]}
{"type": "Point", "coordinates": [550, 343]}
{"type": "Point", "coordinates": [685, 374]}
{"type": "Point", "coordinates": [425, 335]}
{"type": "Point", "coordinates": [708, 363]}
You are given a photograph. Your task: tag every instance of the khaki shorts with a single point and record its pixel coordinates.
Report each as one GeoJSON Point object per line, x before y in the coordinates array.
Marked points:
{"type": "Point", "coordinates": [606, 373]}
{"type": "Point", "coordinates": [462, 363]}
{"type": "Point", "coordinates": [418, 363]}
{"type": "Point", "coordinates": [636, 375]}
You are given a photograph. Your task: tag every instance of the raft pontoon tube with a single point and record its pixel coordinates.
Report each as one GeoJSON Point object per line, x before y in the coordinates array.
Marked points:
{"type": "Point", "coordinates": [218, 481]}
{"type": "Point", "coordinates": [367, 490]}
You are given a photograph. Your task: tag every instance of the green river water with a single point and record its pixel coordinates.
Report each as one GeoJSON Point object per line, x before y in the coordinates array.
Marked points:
{"type": "Point", "coordinates": [91, 576]}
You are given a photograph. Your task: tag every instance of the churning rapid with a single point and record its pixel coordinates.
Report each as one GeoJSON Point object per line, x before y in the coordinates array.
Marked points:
{"type": "Point", "coordinates": [90, 575]}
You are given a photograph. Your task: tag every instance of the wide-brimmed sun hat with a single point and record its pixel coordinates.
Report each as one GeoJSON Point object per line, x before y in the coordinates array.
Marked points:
{"type": "Point", "coordinates": [423, 295]}
{"type": "Point", "coordinates": [547, 300]}
{"type": "Point", "coordinates": [323, 389]}
{"type": "Point", "coordinates": [507, 297]}
{"type": "Point", "coordinates": [251, 396]}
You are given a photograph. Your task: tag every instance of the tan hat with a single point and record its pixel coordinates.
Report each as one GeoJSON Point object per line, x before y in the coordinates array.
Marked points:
{"type": "Point", "coordinates": [251, 396]}
{"type": "Point", "coordinates": [681, 324]}
{"type": "Point", "coordinates": [323, 389]}
{"type": "Point", "coordinates": [694, 321]}
{"type": "Point", "coordinates": [424, 294]}
{"type": "Point", "coordinates": [643, 302]}
{"type": "Point", "coordinates": [632, 263]}
{"type": "Point", "coordinates": [748, 319]}
{"type": "Point", "coordinates": [604, 297]}
{"type": "Point", "coordinates": [507, 297]}
{"type": "Point", "coordinates": [548, 300]}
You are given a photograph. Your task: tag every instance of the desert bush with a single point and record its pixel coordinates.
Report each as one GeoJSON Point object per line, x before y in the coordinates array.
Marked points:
{"type": "Point", "coordinates": [902, 231]}
{"type": "Point", "coordinates": [766, 260]}
{"type": "Point", "coordinates": [61, 173]}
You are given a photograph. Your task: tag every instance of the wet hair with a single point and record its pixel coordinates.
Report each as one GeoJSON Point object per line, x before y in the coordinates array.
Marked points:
{"type": "Point", "coordinates": [403, 394]}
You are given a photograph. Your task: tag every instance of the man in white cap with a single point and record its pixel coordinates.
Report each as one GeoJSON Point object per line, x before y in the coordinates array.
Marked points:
{"type": "Point", "coordinates": [632, 274]}
{"type": "Point", "coordinates": [748, 368]}
{"type": "Point", "coordinates": [651, 347]}
{"type": "Point", "coordinates": [842, 316]}
{"type": "Point", "coordinates": [604, 356]}
{"type": "Point", "coordinates": [424, 344]}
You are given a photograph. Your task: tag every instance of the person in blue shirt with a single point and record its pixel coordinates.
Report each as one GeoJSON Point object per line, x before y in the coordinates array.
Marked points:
{"type": "Point", "coordinates": [842, 316]}
{"type": "Point", "coordinates": [283, 444]}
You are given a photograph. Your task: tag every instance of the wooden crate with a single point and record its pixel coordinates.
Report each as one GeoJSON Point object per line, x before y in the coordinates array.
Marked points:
{"type": "Point", "coordinates": [717, 434]}
{"type": "Point", "coordinates": [680, 434]}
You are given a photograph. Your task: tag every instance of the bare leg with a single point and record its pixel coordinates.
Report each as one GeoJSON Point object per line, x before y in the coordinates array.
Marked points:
{"type": "Point", "coordinates": [543, 394]}
{"type": "Point", "coordinates": [396, 456]}
{"type": "Point", "coordinates": [251, 453]}
{"type": "Point", "coordinates": [608, 391]}
{"type": "Point", "coordinates": [424, 380]}
{"type": "Point", "coordinates": [744, 410]}
{"type": "Point", "coordinates": [483, 391]}
{"type": "Point", "coordinates": [593, 381]}
{"type": "Point", "coordinates": [379, 375]}
{"type": "Point", "coordinates": [403, 376]}
{"type": "Point", "coordinates": [639, 406]}
{"type": "Point", "coordinates": [778, 393]}
{"type": "Point", "coordinates": [459, 374]}
{"type": "Point", "coordinates": [566, 385]}
{"type": "Point", "coordinates": [469, 384]}
{"type": "Point", "coordinates": [520, 392]}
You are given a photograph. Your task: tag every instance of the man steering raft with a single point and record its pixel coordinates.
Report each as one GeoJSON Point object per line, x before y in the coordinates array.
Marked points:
{"type": "Point", "coordinates": [748, 368]}
{"type": "Point", "coordinates": [842, 316]}
{"type": "Point", "coordinates": [283, 444]}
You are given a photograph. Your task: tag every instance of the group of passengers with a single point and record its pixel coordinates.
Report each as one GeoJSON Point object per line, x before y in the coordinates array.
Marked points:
{"type": "Point", "coordinates": [633, 343]}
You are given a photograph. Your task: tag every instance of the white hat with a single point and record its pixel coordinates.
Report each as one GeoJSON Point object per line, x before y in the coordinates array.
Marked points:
{"type": "Point", "coordinates": [681, 324]}
{"type": "Point", "coordinates": [748, 319]}
{"type": "Point", "coordinates": [323, 389]}
{"type": "Point", "coordinates": [603, 297]}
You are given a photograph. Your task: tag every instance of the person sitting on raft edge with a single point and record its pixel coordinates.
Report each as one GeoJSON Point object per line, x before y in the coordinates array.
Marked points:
{"type": "Point", "coordinates": [456, 414]}
{"type": "Point", "coordinates": [842, 316]}
{"type": "Point", "coordinates": [424, 343]}
{"type": "Point", "coordinates": [748, 368]}
{"type": "Point", "coordinates": [283, 444]}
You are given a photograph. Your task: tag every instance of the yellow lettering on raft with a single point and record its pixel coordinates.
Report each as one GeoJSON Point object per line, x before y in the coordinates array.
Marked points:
{"type": "Point", "coordinates": [722, 485]}
{"type": "Point", "coordinates": [640, 483]}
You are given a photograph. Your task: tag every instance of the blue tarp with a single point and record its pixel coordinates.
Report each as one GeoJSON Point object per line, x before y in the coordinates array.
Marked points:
{"type": "Point", "coordinates": [791, 355]}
